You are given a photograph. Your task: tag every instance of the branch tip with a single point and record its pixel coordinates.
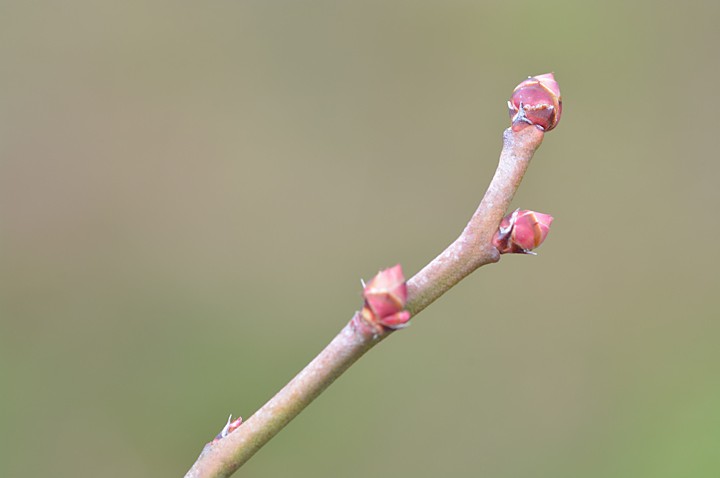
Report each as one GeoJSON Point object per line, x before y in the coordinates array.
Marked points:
{"type": "Point", "coordinates": [536, 101]}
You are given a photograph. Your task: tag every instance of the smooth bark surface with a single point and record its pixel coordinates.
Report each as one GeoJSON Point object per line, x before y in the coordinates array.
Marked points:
{"type": "Point", "coordinates": [468, 252]}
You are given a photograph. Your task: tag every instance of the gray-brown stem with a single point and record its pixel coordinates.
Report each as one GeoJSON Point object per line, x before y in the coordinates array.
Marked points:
{"type": "Point", "coordinates": [471, 250]}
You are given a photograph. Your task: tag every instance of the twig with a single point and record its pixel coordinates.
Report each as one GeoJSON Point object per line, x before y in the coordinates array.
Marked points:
{"type": "Point", "coordinates": [469, 251]}
{"type": "Point", "coordinates": [474, 248]}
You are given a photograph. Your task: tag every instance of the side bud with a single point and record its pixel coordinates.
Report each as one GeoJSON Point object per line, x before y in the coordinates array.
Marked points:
{"type": "Point", "coordinates": [536, 101]}
{"type": "Point", "coordinates": [522, 231]}
{"type": "Point", "coordinates": [385, 298]}
{"type": "Point", "coordinates": [229, 427]}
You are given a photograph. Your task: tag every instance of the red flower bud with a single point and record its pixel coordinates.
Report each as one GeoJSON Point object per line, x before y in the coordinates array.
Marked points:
{"type": "Point", "coordinates": [385, 298]}
{"type": "Point", "coordinates": [536, 101]}
{"type": "Point", "coordinates": [522, 231]}
{"type": "Point", "coordinates": [386, 293]}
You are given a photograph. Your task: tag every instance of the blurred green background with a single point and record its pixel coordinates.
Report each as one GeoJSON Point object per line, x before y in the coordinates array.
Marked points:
{"type": "Point", "coordinates": [191, 191]}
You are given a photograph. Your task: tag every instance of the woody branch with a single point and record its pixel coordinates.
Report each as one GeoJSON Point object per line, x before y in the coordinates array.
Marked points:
{"type": "Point", "coordinates": [535, 108]}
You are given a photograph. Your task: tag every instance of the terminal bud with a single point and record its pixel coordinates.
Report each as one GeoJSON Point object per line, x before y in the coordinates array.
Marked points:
{"type": "Point", "coordinates": [536, 101]}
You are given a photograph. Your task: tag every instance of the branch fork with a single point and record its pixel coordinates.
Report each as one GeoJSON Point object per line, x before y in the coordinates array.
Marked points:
{"type": "Point", "coordinates": [389, 301]}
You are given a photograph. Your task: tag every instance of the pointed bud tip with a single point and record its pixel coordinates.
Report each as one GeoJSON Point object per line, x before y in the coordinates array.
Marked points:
{"type": "Point", "coordinates": [549, 82]}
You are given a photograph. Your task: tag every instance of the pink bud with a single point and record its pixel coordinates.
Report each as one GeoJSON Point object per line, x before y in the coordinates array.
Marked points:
{"type": "Point", "coordinates": [536, 101]}
{"type": "Point", "coordinates": [386, 293]}
{"type": "Point", "coordinates": [522, 231]}
{"type": "Point", "coordinates": [385, 298]}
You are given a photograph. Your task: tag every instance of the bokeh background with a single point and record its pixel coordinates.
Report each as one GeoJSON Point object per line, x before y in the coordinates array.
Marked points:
{"type": "Point", "coordinates": [191, 191]}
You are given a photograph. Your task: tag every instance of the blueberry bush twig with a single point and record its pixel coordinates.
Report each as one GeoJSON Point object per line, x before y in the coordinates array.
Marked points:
{"type": "Point", "coordinates": [390, 301]}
